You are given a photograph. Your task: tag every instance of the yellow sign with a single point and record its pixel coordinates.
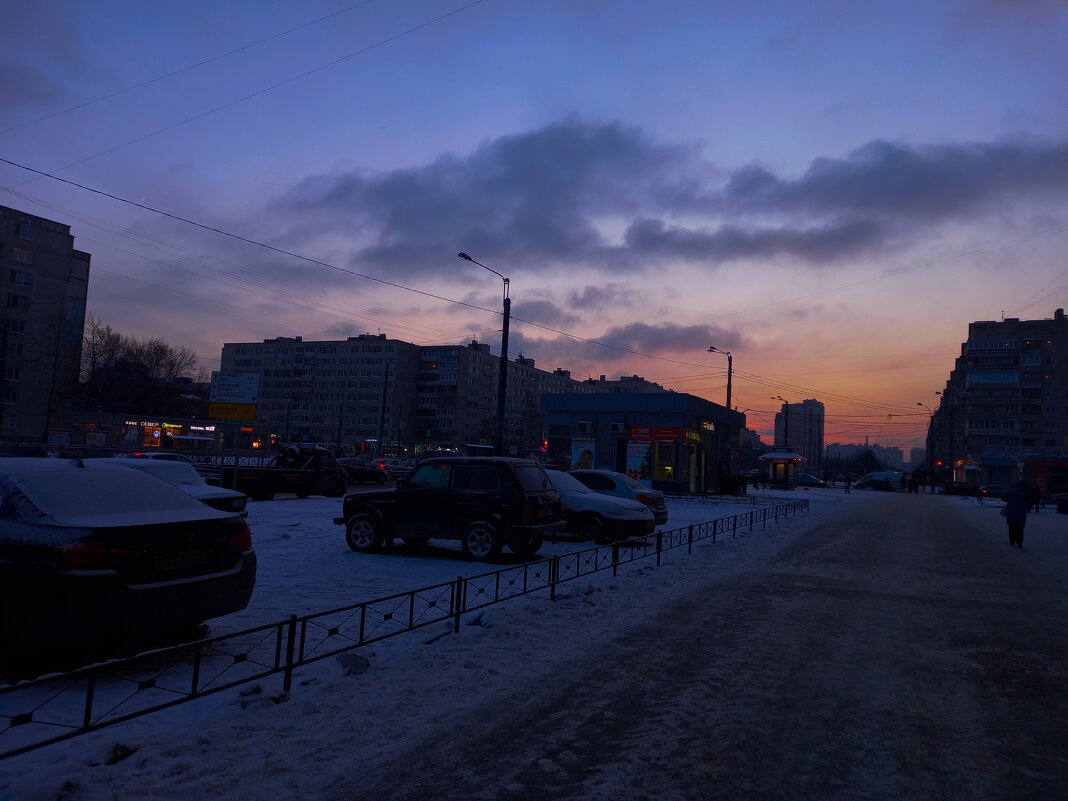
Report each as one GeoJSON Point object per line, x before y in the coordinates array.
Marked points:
{"type": "Point", "coordinates": [232, 411]}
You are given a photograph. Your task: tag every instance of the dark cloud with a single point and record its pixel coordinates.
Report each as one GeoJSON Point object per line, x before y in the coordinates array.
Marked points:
{"type": "Point", "coordinates": [548, 199]}
{"type": "Point", "coordinates": [895, 181]}
{"type": "Point", "coordinates": [653, 239]}
{"type": "Point", "coordinates": [544, 312]}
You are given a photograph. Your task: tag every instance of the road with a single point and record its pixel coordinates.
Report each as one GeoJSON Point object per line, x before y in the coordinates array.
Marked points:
{"type": "Point", "coordinates": [899, 651]}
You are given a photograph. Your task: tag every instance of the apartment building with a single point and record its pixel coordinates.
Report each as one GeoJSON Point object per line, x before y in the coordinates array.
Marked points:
{"type": "Point", "coordinates": [46, 281]}
{"type": "Point", "coordinates": [1006, 400]}
{"type": "Point", "coordinates": [799, 427]}
{"type": "Point", "coordinates": [356, 391]}
{"type": "Point", "coordinates": [368, 389]}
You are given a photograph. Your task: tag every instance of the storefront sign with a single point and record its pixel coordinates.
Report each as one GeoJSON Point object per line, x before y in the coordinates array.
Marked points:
{"type": "Point", "coordinates": [640, 434]}
{"type": "Point", "coordinates": [692, 436]}
{"type": "Point", "coordinates": [666, 432]}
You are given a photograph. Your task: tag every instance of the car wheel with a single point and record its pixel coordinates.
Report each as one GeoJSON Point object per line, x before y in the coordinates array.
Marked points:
{"type": "Point", "coordinates": [590, 528]}
{"type": "Point", "coordinates": [531, 546]}
{"type": "Point", "coordinates": [362, 534]}
{"type": "Point", "coordinates": [481, 541]}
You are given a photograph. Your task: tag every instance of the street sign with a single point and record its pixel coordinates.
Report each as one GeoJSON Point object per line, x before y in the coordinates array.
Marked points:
{"type": "Point", "coordinates": [233, 395]}
{"type": "Point", "coordinates": [230, 387]}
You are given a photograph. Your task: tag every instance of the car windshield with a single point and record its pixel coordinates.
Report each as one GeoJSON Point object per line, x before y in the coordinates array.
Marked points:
{"type": "Point", "coordinates": [565, 482]}
{"type": "Point", "coordinates": [629, 482]}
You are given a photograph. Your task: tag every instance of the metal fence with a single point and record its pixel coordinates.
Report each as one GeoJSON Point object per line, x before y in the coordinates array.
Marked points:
{"type": "Point", "coordinates": [48, 710]}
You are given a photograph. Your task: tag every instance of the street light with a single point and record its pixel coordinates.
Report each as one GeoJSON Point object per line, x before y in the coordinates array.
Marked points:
{"type": "Point", "coordinates": [930, 448]}
{"type": "Point", "coordinates": [730, 370]}
{"type": "Point", "coordinates": [502, 380]}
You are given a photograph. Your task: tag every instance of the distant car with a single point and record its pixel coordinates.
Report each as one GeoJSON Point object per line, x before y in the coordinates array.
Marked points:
{"type": "Point", "coordinates": [806, 480]}
{"type": "Point", "coordinates": [361, 471]}
{"type": "Point", "coordinates": [186, 478]}
{"type": "Point", "coordinates": [598, 517]}
{"type": "Point", "coordinates": [90, 550]}
{"type": "Point", "coordinates": [992, 491]}
{"type": "Point", "coordinates": [621, 485]}
{"type": "Point", "coordinates": [484, 502]}
{"type": "Point", "coordinates": [398, 469]}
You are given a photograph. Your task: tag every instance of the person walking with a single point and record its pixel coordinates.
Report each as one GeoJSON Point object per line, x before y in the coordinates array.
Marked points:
{"type": "Point", "coordinates": [1017, 501]}
{"type": "Point", "coordinates": [1036, 497]}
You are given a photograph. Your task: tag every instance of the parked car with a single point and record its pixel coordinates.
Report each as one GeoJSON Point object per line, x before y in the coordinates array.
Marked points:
{"type": "Point", "coordinates": [186, 478]}
{"type": "Point", "coordinates": [298, 468]}
{"type": "Point", "coordinates": [621, 485]}
{"type": "Point", "coordinates": [361, 471]}
{"type": "Point", "coordinates": [397, 469]}
{"type": "Point", "coordinates": [992, 491]}
{"type": "Point", "coordinates": [808, 480]}
{"type": "Point", "coordinates": [484, 502]}
{"type": "Point", "coordinates": [92, 550]}
{"type": "Point", "coordinates": [602, 518]}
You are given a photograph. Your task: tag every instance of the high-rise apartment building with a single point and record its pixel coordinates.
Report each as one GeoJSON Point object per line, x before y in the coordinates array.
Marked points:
{"type": "Point", "coordinates": [368, 389]}
{"type": "Point", "coordinates": [45, 281]}
{"type": "Point", "coordinates": [1006, 400]}
{"type": "Point", "coordinates": [353, 391]}
{"type": "Point", "coordinates": [799, 427]}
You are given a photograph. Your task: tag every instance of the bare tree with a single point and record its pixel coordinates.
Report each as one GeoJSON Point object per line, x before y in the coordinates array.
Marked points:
{"type": "Point", "coordinates": [126, 374]}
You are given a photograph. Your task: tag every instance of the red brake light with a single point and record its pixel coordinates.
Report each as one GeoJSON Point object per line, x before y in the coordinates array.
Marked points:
{"type": "Point", "coordinates": [94, 556]}
{"type": "Point", "coordinates": [645, 499]}
{"type": "Point", "coordinates": [242, 542]}
{"type": "Point", "coordinates": [526, 512]}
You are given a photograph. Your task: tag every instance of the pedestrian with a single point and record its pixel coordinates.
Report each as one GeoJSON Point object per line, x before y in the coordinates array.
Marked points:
{"type": "Point", "coordinates": [1017, 501]}
{"type": "Point", "coordinates": [847, 485]}
{"type": "Point", "coordinates": [1036, 497]}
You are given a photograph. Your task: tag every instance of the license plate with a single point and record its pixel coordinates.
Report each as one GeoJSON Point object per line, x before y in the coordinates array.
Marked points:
{"type": "Point", "coordinates": [176, 561]}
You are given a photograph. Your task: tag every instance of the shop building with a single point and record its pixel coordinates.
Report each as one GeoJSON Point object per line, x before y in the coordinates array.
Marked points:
{"type": "Point", "coordinates": [672, 441]}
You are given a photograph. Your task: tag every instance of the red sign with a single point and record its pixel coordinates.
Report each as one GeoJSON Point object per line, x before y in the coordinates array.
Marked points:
{"type": "Point", "coordinates": [640, 434]}
{"type": "Point", "coordinates": [664, 432]}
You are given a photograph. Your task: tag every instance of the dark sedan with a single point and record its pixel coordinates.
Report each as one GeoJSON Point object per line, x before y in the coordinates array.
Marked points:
{"type": "Point", "coordinates": [91, 551]}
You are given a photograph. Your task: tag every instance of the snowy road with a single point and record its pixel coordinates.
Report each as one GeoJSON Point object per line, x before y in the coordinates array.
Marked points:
{"type": "Point", "coordinates": [878, 647]}
{"type": "Point", "coordinates": [889, 653]}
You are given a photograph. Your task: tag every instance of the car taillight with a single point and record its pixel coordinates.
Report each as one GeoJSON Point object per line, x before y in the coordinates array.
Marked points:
{"type": "Point", "coordinates": [242, 542]}
{"type": "Point", "coordinates": [645, 499]}
{"type": "Point", "coordinates": [94, 556]}
{"type": "Point", "coordinates": [526, 513]}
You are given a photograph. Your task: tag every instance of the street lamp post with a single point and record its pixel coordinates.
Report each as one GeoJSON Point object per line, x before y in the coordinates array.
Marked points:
{"type": "Point", "coordinates": [930, 448]}
{"type": "Point", "coordinates": [502, 379]}
{"type": "Point", "coordinates": [730, 369]}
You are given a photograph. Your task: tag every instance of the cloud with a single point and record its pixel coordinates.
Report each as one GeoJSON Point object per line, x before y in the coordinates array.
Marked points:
{"type": "Point", "coordinates": [608, 198]}
{"type": "Point", "coordinates": [893, 180]}
{"type": "Point", "coordinates": [25, 86]}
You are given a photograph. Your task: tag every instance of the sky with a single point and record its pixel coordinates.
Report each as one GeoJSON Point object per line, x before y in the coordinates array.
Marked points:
{"type": "Point", "coordinates": [239, 744]}
{"type": "Point", "coordinates": [831, 191]}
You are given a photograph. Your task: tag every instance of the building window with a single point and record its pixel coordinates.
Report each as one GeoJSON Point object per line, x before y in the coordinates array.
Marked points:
{"type": "Point", "coordinates": [14, 325]}
{"type": "Point", "coordinates": [20, 302]}
{"type": "Point", "coordinates": [13, 373]}
{"type": "Point", "coordinates": [24, 231]}
{"type": "Point", "coordinates": [10, 396]}
{"type": "Point", "coordinates": [22, 255]}
{"type": "Point", "coordinates": [19, 277]}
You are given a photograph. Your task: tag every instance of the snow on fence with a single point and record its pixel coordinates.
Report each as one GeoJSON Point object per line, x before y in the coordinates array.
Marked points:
{"type": "Point", "coordinates": [58, 707]}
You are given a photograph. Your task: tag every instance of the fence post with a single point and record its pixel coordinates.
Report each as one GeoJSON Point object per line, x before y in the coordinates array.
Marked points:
{"type": "Point", "coordinates": [689, 543]}
{"type": "Point", "coordinates": [659, 545]}
{"type": "Point", "coordinates": [554, 575]}
{"type": "Point", "coordinates": [715, 525]}
{"type": "Point", "coordinates": [87, 718]}
{"type": "Point", "coordinates": [458, 604]}
{"type": "Point", "coordinates": [287, 682]}
{"type": "Point", "coordinates": [615, 559]}
{"type": "Point", "coordinates": [734, 527]}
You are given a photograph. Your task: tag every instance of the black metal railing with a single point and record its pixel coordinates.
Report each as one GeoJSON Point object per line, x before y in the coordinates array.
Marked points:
{"type": "Point", "coordinates": [57, 707]}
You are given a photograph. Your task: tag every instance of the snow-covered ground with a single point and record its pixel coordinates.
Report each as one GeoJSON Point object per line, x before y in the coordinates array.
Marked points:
{"type": "Point", "coordinates": [240, 743]}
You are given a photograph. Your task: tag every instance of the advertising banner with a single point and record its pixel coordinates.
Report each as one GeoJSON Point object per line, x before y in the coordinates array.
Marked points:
{"type": "Point", "coordinates": [639, 461]}
{"type": "Point", "coordinates": [582, 454]}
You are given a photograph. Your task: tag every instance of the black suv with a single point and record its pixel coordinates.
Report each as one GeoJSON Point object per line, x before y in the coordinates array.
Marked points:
{"type": "Point", "coordinates": [484, 502]}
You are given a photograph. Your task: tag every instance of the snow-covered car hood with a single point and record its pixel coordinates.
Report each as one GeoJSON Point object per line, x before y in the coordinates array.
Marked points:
{"type": "Point", "coordinates": [582, 499]}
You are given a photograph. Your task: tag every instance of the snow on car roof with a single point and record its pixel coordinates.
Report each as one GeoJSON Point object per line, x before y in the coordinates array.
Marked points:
{"type": "Point", "coordinates": [181, 474]}
{"type": "Point", "coordinates": [94, 493]}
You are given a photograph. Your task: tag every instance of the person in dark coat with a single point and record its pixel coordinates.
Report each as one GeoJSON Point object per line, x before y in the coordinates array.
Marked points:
{"type": "Point", "coordinates": [1036, 497]}
{"type": "Point", "coordinates": [1017, 501]}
